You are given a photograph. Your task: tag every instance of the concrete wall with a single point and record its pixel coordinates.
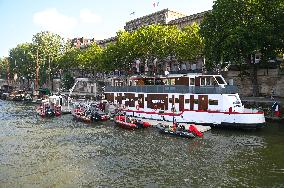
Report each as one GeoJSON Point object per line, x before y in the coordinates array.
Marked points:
{"type": "Point", "coordinates": [268, 79]}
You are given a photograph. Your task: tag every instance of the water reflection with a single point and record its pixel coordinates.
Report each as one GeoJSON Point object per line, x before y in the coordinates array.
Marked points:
{"type": "Point", "coordinates": [60, 152]}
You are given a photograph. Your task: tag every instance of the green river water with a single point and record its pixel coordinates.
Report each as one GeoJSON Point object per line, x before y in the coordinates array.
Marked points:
{"type": "Point", "coordinates": [60, 152]}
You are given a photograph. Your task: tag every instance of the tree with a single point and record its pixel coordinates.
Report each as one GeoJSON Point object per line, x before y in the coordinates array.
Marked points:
{"type": "Point", "coordinates": [49, 47]}
{"type": "Point", "coordinates": [69, 60]}
{"type": "Point", "coordinates": [151, 43]}
{"type": "Point", "coordinates": [235, 30]}
{"type": "Point", "coordinates": [111, 58]}
{"type": "Point", "coordinates": [90, 57]}
{"type": "Point", "coordinates": [21, 61]}
{"type": "Point", "coordinates": [3, 67]}
{"type": "Point", "coordinates": [190, 44]}
{"type": "Point", "coordinates": [67, 81]}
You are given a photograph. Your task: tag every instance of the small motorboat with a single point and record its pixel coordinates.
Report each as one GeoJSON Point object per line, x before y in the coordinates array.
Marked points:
{"type": "Point", "coordinates": [179, 130]}
{"type": "Point", "coordinates": [88, 113]}
{"type": "Point", "coordinates": [79, 115]}
{"type": "Point", "coordinates": [48, 110]}
{"type": "Point", "coordinates": [130, 123]}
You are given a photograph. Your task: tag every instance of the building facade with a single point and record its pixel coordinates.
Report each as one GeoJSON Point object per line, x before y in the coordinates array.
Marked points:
{"type": "Point", "coordinates": [162, 17]}
{"type": "Point", "coordinates": [81, 42]}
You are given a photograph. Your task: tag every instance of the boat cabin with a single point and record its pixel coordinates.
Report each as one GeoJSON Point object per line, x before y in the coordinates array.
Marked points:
{"type": "Point", "coordinates": [176, 79]}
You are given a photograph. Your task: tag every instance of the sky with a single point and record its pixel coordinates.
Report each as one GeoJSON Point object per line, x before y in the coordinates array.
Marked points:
{"type": "Point", "coordinates": [99, 19]}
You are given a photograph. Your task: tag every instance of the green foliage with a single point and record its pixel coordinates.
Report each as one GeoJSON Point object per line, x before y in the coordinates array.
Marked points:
{"type": "Point", "coordinates": [190, 45]}
{"type": "Point", "coordinates": [67, 81]}
{"type": "Point", "coordinates": [152, 42]}
{"type": "Point", "coordinates": [145, 44]}
{"type": "Point", "coordinates": [21, 60]}
{"type": "Point", "coordinates": [69, 59]}
{"type": "Point", "coordinates": [237, 29]}
{"type": "Point", "coordinates": [3, 68]}
{"type": "Point", "coordinates": [49, 47]}
{"type": "Point", "coordinates": [89, 57]}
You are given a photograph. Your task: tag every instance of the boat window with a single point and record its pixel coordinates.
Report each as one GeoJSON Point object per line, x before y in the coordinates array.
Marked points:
{"type": "Point", "coordinates": [192, 82]}
{"type": "Point", "coordinates": [203, 81]}
{"type": "Point", "coordinates": [235, 99]}
{"type": "Point", "coordinates": [213, 102]}
{"type": "Point", "coordinates": [166, 82]}
{"type": "Point", "coordinates": [154, 81]}
{"type": "Point", "coordinates": [220, 80]}
{"type": "Point", "coordinates": [172, 81]}
{"type": "Point", "coordinates": [195, 101]}
{"type": "Point", "coordinates": [209, 81]}
{"type": "Point", "coordinates": [149, 82]}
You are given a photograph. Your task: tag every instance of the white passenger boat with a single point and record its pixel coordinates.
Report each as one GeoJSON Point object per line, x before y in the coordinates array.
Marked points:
{"type": "Point", "coordinates": [186, 98]}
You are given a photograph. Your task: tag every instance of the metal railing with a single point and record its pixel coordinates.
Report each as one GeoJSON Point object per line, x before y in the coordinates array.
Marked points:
{"type": "Point", "coordinates": [227, 89]}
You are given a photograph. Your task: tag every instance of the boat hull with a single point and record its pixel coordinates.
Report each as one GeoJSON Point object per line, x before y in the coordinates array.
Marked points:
{"type": "Point", "coordinates": [126, 125]}
{"type": "Point", "coordinates": [184, 134]}
{"type": "Point", "coordinates": [213, 119]}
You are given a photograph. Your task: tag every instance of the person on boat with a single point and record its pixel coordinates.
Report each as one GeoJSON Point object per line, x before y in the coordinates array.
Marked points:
{"type": "Point", "coordinates": [134, 121]}
{"type": "Point", "coordinates": [96, 116]}
{"type": "Point", "coordinates": [180, 127]}
{"type": "Point", "coordinates": [174, 126]}
{"type": "Point", "coordinates": [102, 106]}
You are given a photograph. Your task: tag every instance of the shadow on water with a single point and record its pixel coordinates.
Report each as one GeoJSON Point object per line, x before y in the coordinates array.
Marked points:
{"type": "Point", "coordinates": [61, 152]}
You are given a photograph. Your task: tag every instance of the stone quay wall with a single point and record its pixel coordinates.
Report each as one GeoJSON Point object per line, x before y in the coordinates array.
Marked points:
{"type": "Point", "coordinates": [269, 80]}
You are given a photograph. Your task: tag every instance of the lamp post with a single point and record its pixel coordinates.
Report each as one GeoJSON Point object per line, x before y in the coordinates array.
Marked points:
{"type": "Point", "coordinates": [23, 83]}
{"type": "Point", "coordinates": [8, 72]}
{"type": "Point", "coordinates": [49, 71]}
{"type": "Point", "coordinates": [29, 76]}
{"type": "Point", "coordinates": [37, 71]}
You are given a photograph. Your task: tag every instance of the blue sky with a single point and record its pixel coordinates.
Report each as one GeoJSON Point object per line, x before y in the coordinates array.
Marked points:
{"type": "Point", "coordinates": [99, 19]}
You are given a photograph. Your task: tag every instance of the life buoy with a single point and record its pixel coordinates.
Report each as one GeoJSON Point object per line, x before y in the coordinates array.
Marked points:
{"type": "Point", "coordinates": [137, 107]}
{"type": "Point", "coordinates": [155, 107]}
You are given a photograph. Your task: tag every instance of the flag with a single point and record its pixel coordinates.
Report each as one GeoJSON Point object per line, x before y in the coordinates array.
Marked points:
{"type": "Point", "coordinates": [156, 4]}
{"type": "Point", "coordinates": [275, 108]}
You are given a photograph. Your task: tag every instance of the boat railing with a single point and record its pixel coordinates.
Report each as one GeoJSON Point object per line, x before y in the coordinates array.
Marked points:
{"type": "Point", "coordinates": [227, 89]}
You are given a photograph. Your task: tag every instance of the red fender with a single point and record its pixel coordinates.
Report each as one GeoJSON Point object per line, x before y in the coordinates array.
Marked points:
{"type": "Point", "coordinates": [146, 124]}
{"type": "Point", "coordinates": [194, 130]}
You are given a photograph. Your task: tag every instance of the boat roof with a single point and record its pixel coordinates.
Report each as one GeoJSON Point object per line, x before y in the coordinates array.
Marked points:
{"type": "Point", "coordinates": [172, 76]}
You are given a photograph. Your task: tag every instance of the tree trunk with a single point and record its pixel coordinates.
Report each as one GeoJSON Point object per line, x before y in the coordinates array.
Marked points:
{"type": "Point", "coordinates": [253, 76]}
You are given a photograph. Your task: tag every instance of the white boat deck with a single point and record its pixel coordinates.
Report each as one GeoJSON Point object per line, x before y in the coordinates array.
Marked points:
{"type": "Point", "coordinates": [201, 128]}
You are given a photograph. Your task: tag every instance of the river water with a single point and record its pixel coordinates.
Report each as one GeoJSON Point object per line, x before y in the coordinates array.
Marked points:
{"type": "Point", "coordinates": [60, 152]}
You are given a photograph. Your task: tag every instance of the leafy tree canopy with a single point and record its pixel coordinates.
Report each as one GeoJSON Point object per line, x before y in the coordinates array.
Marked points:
{"type": "Point", "coordinates": [236, 29]}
